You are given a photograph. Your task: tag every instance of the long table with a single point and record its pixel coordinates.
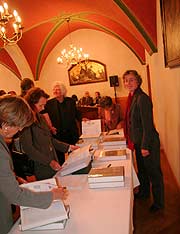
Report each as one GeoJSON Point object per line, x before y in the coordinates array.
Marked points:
{"type": "Point", "coordinates": [96, 211]}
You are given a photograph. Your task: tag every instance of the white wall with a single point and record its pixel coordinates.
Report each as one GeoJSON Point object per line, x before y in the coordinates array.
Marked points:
{"type": "Point", "coordinates": [8, 80]}
{"type": "Point", "coordinates": [166, 99]}
{"type": "Point", "coordinates": [102, 47]}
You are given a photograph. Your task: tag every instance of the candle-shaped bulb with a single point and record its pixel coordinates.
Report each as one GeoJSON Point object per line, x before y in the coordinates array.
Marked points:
{"type": "Point", "coordinates": [6, 8]}
{"type": "Point", "coordinates": [1, 10]}
{"type": "Point", "coordinates": [15, 28]}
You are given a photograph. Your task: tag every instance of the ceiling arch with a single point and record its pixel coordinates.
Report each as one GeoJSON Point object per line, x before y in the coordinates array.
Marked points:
{"type": "Point", "coordinates": [132, 22]}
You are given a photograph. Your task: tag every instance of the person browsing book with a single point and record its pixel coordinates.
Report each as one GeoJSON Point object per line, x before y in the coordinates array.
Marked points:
{"type": "Point", "coordinates": [37, 141]}
{"type": "Point", "coordinates": [15, 114]}
{"type": "Point", "coordinates": [110, 114]}
{"type": "Point", "coordinates": [142, 137]}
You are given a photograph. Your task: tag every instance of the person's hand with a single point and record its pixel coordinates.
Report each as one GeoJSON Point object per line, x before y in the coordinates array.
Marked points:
{"type": "Point", "coordinates": [74, 147]}
{"type": "Point", "coordinates": [144, 152]}
{"type": "Point", "coordinates": [53, 130]}
{"type": "Point", "coordinates": [55, 165]}
{"type": "Point", "coordinates": [60, 193]}
{"type": "Point", "coordinates": [85, 119]}
{"type": "Point", "coordinates": [21, 180]}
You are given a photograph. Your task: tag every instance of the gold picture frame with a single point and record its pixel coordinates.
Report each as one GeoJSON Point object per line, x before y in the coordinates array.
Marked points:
{"type": "Point", "coordinates": [87, 72]}
{"type": "Point", "coordinates": [171, 31]}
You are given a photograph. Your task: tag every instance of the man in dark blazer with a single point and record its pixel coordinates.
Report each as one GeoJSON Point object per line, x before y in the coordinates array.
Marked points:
{"type": "Point", "coordinates": [62, 117]}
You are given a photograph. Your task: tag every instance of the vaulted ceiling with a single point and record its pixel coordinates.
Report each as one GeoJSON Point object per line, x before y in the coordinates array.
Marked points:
{"type": "Point", "coordinates": [44, 21]}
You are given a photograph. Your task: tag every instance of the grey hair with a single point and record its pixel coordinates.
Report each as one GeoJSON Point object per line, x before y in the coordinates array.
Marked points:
{"type": "Point", "coordinates": [61, 86]}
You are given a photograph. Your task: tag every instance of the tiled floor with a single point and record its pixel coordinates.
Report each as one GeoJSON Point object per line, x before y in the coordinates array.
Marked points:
{"type": "Point", "coordinates": [162, 222]}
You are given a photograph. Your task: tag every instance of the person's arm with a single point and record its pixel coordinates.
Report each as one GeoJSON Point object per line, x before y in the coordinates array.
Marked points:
{"type": "Point", "coordinates": [120, 118]}
{"type": "Point", "coordinates": [59, 145]}
{"type": "Point", "coordinates": [14, 194]}
{"type": "Point", "coordinates": [145, 106]}
{"type": "Point", "coordinates": [49, 123]}
{"type": "Point", "coordinates": [22, 196]}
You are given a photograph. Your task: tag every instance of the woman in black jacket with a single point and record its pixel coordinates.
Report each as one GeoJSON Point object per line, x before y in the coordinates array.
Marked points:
{"type": "Point", "coordinates": [142, 137]}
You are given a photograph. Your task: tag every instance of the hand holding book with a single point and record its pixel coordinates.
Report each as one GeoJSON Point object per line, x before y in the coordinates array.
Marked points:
{"type": "Point", "coordinates": [55, 165]}
{"type": "Point", "coordinates": [60, 193]}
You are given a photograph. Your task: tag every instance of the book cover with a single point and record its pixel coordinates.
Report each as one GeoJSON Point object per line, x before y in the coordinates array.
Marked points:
{"type": "Point", "coordinates": [52, 226]}
{"type": "Point", "coordinates": [35, 217]}
{"type": "Point", "coordinates": [106, 174]}
{"type": "Point", "coordinates": [108, 155]}
{"type": "Point", "coordinates": [69, 168]}
{"type": "Point", "coordinates": [107, 184]}
{"type": "Point", "coordinates": [113, 141]}
{"type": "Point", "coordinates": [77, 160]}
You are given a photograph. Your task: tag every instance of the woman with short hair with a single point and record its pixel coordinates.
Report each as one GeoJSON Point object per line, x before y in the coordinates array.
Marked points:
{"type": "Point", "coordinates": [15, 114]}
{"type": "Point", "coordinates": [142, 137]}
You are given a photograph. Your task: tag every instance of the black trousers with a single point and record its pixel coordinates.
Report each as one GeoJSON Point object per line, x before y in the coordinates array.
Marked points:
{"type": "Point", "coordinates": [149, 172]}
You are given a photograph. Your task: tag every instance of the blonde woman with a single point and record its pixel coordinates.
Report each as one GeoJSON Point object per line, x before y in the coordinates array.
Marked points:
{"type": "Point", "coordinates": [15, 114]}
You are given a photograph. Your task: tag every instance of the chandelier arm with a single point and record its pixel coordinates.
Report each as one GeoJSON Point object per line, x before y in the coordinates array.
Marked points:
{"type": "Point", "coordinates": [9, 22]}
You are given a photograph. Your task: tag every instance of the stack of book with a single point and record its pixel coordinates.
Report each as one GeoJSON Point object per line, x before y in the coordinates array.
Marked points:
{"type": "Point", "coordinates": [112, 142]}
{"type": "Point", "coordinates": [110, 155]}
{"type": "Point", "coordinates": [76, 160]}
{"type": "Point", "coordinates": [54, 217]}
{"type": "Point", "coordinates": [106, 177]}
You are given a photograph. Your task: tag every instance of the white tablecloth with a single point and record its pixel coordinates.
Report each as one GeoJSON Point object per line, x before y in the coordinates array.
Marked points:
{"type": "Point", "coordinates": [96, 211]}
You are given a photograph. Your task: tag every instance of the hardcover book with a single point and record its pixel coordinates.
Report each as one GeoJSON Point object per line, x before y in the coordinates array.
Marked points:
{"type": "Point", "coordinates": [35, 217]}
{"type": "Point", "coordinates": [106, 174]}
{"type": "Point", "coordinates": [108, 155]}
{"type": "Point", "coordinates": [77, 160]}
{"type": "Point", "coordinates": [113, 140]}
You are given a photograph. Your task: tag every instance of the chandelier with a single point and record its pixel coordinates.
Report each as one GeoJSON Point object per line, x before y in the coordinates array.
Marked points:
{"type": "Point", "coordinates": [10, 26]}
{"type": "Point", "coordinates": [73, 55]}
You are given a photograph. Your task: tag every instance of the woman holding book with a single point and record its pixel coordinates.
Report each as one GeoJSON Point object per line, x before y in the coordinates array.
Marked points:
{"type": "Point", "coordinates": [37, 141]}
{"type": "Point", "coordinates": [142, 137]}
{"type": "Point", "coordinates": [15, 114]}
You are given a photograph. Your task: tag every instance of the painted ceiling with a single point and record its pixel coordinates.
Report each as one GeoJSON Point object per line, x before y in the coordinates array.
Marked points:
{"type": "Point", "coordinates": [45, 25]}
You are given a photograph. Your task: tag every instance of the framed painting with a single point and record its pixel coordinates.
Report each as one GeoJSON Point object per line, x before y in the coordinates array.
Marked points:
{"type": "Point", "coordinates": [87, 72]}
{"type": "Point", "coordinates": [171, 31]}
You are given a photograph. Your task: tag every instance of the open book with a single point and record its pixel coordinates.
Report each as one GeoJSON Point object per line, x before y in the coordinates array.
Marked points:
{"type": "Point", "coordinates": [78, 159]}
{"type": "Point", "coordinates": [91, 129]}
{"type": "Point", "coordinates": [35, 217]}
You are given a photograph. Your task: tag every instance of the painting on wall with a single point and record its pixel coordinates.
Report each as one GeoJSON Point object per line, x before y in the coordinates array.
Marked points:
{"type": "Point", "coordinates": [171, 31]}
{"type": "Point", "coordinates": [87, 72]}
